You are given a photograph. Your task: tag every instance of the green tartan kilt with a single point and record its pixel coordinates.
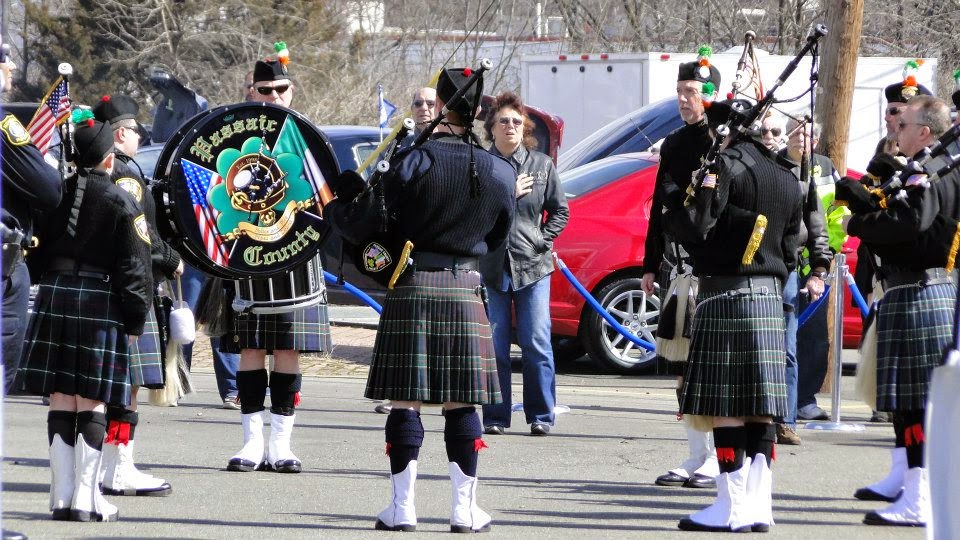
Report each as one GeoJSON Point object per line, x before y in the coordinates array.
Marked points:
{"type": "Point", "coordinates": [75, 343]}
{"type": "Point", "coordinates": [914, 327]}
{"type": "Point", "coordinates": [434, 342]}
{"type": "Point", "coordinates": [146, 356]}
{"type": "Point", "coordinates": [737, 362]}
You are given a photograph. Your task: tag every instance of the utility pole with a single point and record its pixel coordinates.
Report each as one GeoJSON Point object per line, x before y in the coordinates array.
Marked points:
{"type": "Point", "coordinates": [837, 77]}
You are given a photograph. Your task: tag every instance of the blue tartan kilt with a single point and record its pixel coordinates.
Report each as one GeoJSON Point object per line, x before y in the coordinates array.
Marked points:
{"type": "Point", "coordinates": [914, 327]}
{"type": "Point", "coordinates": [737, 361]}
{"type": "Point", "coordinates": [146, 356]}
{"type": "Point", "coordinates": [306, 330]}
{"type": "Point", "coordinates": [434, 342]}
{"type": "Point", "coordinates": [76, 344]}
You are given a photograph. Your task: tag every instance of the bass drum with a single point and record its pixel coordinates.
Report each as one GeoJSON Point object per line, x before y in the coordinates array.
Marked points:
{"type": "Point", "coordinates": [242, 190]}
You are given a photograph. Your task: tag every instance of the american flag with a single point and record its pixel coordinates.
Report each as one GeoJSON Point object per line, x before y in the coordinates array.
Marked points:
{"type": "Point", "coordinates": [53, 111]}
{"type": "Point", "coordinates": [199, 180]}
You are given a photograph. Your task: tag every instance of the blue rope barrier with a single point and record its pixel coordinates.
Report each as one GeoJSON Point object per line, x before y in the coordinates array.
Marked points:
{"type": "Point", "coordinates": [812, 308]}
{"type": "Point", "coordinates": [598, 308]}
{"type": "Point", "coordinates": [330, 278]}
{"type": "Point", "coordinates": [861, 303]}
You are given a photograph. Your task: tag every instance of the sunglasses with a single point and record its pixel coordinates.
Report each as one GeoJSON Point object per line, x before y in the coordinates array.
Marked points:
{"type": "Point", "coordinates": [905, 124]}
{"type": "Point", "coordinates": [267, 90]}
{"type": "Point", "coordinates": [419, 103]}
{"type": "Point", "coordinates": [517, 122]}
{"type": "Point", "coordinates": [772, 131]}
{"type": "Point", "coordinates": [893, 111]}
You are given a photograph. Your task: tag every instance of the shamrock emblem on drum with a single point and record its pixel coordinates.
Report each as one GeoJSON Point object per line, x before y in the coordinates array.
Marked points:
{"type": "Point", "coordinates": [261, 192]}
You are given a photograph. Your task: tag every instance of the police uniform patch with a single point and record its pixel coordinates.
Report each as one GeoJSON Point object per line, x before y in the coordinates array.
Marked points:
{"type": "Point", "coordinates": [14, 131]}
{"type": "Point", "coordinates": [143, 231]}
{"type": "Point", "coordinates": [132, 187]}
{"type": "Point", "coordinates": [376, 257]}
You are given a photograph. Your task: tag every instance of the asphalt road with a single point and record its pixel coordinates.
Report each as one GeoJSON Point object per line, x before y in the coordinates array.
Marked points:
{"type": "Point", "coordinates": [592, 477]}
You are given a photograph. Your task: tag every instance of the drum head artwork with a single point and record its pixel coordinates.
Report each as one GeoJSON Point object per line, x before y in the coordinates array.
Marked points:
{"type": "Point", "coordinates": [246, 189]}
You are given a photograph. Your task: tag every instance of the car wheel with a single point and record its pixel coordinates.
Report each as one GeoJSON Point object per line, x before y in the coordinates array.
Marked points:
{"type": "Point", "coordinates": [631, 307]}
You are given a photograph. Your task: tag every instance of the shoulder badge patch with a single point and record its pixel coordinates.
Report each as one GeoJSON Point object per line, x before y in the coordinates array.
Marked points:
{"type": "Point", "coordinates": [14, 131]}
{"type": "Point", "coordinates": [131, 186]}
{"type": "Point", "coordinates": [376, 257]}
{"type": "Point", "coordinates": [143, 231]}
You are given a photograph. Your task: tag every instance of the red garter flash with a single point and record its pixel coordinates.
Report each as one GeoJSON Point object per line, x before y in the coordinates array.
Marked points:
{"type": "Point", "coordinates": [118, 433]}
{"type": "Point", "coordinates": [478, 445]}
{"type": "Point", "coordinates": [913, 435]}
{"type": "Point", "coordinates": [726, 455]}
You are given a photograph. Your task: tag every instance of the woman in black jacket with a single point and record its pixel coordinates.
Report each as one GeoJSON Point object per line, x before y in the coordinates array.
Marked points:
{"type": "Point", "coordinates": [518, 273]}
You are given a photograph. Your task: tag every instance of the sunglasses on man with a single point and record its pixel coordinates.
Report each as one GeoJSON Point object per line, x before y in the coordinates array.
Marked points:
{"type": "Point", "coordinates": [771, 131]}
{"type": "Point", "coordinates": [267, 90]}
{"type": "Point", "coordinates": [893, 111]}
{"type": "Point", "coordinates": [419, 103]}
{"type": "Point", "coordinates": [517, 122]}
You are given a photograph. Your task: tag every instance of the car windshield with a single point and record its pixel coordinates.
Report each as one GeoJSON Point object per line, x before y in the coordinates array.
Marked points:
{"type": "Point", "coordinates": [597, 174]}
{"type": "Point", "coordinates": [634, 132]}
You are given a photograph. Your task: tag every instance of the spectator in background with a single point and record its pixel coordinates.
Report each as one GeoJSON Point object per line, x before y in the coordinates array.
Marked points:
{"type": "Point", "coordinates": [517, 274]}
{"type": "Point", "coordinates": [813, 242]}
{"type": "Point", "coordinates": [771, 131]}
{"type": "Point", "coordinates": [247, 93]}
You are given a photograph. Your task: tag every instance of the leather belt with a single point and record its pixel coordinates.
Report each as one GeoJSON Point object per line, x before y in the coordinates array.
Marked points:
{"type": "Point", "coordinates": [428, 261]}
{"type": "Point", "coordinates": [73, 267]}
{"type": "Point", "coordinates": [733, 285]}
{"type": "Point", "coordinates": [930, 276]}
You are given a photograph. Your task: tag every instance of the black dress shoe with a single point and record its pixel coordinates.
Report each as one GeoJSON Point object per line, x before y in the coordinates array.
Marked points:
{"type": "Point", "coordinates": [13, 535]}
{"type": "Point", "coordinates": [873, 518]}
{"type": "Point", "coordinates": [493, 430]}
{"type": "Point", "coordinates": [700, 481]}
{"type": "Point", "coordinates": [671, 479]}
{"type": "Point", "coordinates": [241, 465]}
{"type": "Point", "coordinates": [381, 526]}
{"type": "Point", "coordinates": [539, 429]}
{"type": "Point", "coordinates": [687, 524]}
{"type": "Point", "coordinates": [867, 494]}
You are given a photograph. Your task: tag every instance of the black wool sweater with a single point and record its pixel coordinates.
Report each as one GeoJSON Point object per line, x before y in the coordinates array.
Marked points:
{"type": "Point", "coordinates": [717, 225]}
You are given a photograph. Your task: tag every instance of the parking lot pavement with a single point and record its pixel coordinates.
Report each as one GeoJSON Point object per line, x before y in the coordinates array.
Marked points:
{"type": "Point", "coordinates": [592, 477]}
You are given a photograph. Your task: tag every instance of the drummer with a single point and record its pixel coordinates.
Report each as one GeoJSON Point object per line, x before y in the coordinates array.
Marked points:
{"type": "Point", "coordinates": [284, 335]}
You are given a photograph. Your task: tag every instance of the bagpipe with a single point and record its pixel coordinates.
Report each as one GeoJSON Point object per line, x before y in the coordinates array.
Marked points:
{"type": "Point", "coordinates": [744, 229]}
{"type": "Point", "coordinates": [384, 253]}
{"type": "Point", "coordinates": [899, 187]}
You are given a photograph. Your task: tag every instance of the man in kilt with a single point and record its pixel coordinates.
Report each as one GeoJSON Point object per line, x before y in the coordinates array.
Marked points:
{"type": "Point", "coordinates": [915, 316]}
{"type": "Point", "coordinates": [680, 157]}
{"type": "Point", "coordinates": [284, 335]}
{"type": "Point", "coordinates": [741, 228]}
{"type": "Point", "coordinates": [454, 201]}
{"type": "Point", "coordinates": [95, 293]}
{"type": "Point", "coordinates": [121, 476]}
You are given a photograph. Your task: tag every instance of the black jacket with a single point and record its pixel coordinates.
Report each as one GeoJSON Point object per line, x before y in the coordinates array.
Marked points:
{"type": "Point", "coordinates": [29, 183]}
{"type": "Point", "coordinates": [813, 228]}
{"type": "Point", "coordinates": [680, 157]}
{"type": "Point", "coordinates": [108, 231]}
{"type": "Point", "coordinates": [526, 253]}
{"type": "Point", "coordinates": [127, 175]}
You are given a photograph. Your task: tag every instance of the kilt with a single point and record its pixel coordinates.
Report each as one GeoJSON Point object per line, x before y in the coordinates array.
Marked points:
{"type": "Point", "coordinates": [75, 343]}
{"type": "Point", "coordinates": [914, 326]}
{"type": "Point", "coordinates": [305, 330]}
{"type": "Point", "coordinates": [146, 356]}
{"type": "Point", "coordinates": [737, 362]}
{"type": "Point", "coordinates": [434, 342]}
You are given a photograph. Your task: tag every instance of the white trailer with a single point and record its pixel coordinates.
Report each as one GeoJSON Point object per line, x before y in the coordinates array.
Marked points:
{"type": "Point", "coordinates": [588, 91]}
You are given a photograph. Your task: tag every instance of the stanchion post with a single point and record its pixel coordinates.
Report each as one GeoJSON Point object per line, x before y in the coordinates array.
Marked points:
{"type": "Point", "coordinates": [836, 288]}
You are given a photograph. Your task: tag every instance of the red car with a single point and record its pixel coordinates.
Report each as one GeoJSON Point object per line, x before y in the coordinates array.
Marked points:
{"type": "Point", "coordinates": [603, 246]}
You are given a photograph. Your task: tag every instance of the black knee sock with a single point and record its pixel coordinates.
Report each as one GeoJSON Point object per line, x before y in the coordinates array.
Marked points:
{"type": "Point", "coordinates": [898, 428]}
{"type": "Point", "coordinates": [731, 443]}
{"type": "Point", "coordinates": [63, 423]}
{"type": "Point", "coordinates": [462, 434]}
{"type": "Point", "coordinates": [92, 426]}
{"type": "Point", "coordinates": [761, 439]}
{"type": "Point", "coordinates": [404, 435]}
{"type": "Point", "coordinates": [252, 390]}
{"type": "Point", "coordinates": [283, 393]}
{"type": "Point", "coordinates": [121, 425]}
{"type": "Point", "coordinates": [913, 437]}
